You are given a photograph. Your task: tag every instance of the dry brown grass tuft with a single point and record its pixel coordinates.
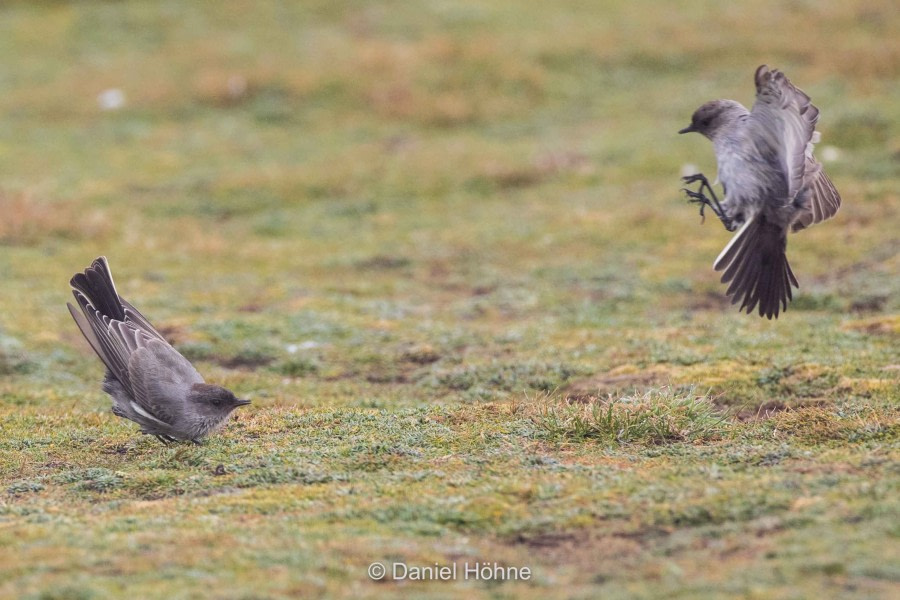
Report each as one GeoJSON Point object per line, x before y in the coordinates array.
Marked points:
{"type": "Point", "coordinates": [26, 220]}
{"type": "Point", "coordinates": [818, 424]}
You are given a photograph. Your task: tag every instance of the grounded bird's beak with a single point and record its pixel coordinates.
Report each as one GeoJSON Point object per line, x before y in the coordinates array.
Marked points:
{"type": "Point", "coordinates": [242, 403]}
{"type": "Point", "coordinates": [687, 129]}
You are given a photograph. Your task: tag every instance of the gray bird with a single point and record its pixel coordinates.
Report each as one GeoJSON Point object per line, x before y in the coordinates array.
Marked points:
{"type": "Point", "coordinates": [149, 381]}
{"type": "Point", "coordinates": [772, 185]}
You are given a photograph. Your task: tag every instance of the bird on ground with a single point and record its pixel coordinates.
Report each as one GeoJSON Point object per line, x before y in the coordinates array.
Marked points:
{"type": "Point", "coordinates": [149, 381]}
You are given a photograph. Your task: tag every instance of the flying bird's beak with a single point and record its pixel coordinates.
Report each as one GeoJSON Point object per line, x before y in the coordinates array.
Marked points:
{"type": "Point", "coordinates": [687, 129]}
{"type": "Point", "coordinates": [242, 403]}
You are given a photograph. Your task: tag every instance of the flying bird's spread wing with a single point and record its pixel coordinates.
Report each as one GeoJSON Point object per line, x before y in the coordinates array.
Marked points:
{"type": "Point", "coordinates": [824, 200]}
{"type": "Point", "coordinates": [785, 119]}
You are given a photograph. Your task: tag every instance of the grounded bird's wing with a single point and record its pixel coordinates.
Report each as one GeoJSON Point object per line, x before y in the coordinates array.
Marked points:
{"type": "Point", "coordinates": [784, 118]}
{"type": "Point", "coordinates": [105, 338]}
{"type": "Point", "coordinates": [112, 326]}
{"type": "Point", "coordinates": [134, 317]}
{"type": "Point", "coordinates": [162, 379]}
{"type": "Point", "coordinates": [86, 330]}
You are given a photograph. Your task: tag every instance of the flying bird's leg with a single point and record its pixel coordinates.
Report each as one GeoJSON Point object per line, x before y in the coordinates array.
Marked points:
{"type": "Point", "coordinates": [700, 198]}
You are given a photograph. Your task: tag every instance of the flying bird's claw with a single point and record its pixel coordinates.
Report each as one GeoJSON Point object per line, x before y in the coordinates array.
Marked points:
{"type": "Point", "coordinates": [697, 198]}
{"type": "Point", "coordinates": [703, 201]}
{"type": "Point", "coordinates": [695, 178]}
{"type": "Point", "coordinates": [700, 198]}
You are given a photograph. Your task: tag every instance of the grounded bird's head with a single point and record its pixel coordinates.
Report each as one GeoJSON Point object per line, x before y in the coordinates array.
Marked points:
{"type": "Point", "coordinates": [710, 118]}
{"type": "Point", "coordinates": [212, 401]}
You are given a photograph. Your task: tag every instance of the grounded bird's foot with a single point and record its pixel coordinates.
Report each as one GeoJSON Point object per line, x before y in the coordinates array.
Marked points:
{"type": "Point", "coordinates": [162, 437]}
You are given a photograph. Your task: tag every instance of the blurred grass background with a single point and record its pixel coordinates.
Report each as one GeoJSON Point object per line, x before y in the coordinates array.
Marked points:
{"type": "Point", "coordinates": [411, 231]}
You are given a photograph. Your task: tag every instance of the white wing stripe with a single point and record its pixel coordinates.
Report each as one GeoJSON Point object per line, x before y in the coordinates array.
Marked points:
{"type": "Point", "coordinates": [144, 413]}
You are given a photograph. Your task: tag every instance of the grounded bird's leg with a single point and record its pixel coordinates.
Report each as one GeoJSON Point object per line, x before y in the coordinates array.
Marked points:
{"type": "Point", "coordinates": [700, 198]}
{"type": "Point", "coordinates": [197, 442]}
{"type": "Point", "coordinates": [162, 439]}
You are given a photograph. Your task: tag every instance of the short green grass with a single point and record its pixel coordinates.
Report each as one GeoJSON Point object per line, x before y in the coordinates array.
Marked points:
{"type": "Point", "coordinates": [442, 247]}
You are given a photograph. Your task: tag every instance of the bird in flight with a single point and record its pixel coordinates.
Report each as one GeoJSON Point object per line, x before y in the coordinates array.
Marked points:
{"type": "Point", "coordinates": [772, 185]}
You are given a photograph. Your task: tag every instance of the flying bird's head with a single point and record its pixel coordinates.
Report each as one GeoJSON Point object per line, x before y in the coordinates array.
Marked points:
{"type": "Point", "coordinates": [710, 118]}
{"type": "Point", "coordinates": [212, 402]}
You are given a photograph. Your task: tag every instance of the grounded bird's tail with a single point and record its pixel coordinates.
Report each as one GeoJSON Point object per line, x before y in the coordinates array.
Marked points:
{"type": "Point", "coordinates": [755, 263]}
{"type": "Point", "coordinates": [97, 287]}
{"type": "Point", "coordinates": [99, 303]}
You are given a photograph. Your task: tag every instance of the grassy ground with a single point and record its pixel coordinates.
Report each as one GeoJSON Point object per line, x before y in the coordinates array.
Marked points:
{"type": "Point", "coordinates": [442, 247]}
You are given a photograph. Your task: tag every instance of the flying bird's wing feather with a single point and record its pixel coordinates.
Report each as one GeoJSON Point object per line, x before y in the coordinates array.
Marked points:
{"type": "Point", "coordinates": [824, 200]}
{"type": "Point", "coordinates": [785, 118]}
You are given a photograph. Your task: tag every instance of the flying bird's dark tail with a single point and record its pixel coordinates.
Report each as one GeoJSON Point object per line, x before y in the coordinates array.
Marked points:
{"type": "Point", "coordinates": [755, 263]}
{"type": "Point", "coordinates": [97, 287]}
